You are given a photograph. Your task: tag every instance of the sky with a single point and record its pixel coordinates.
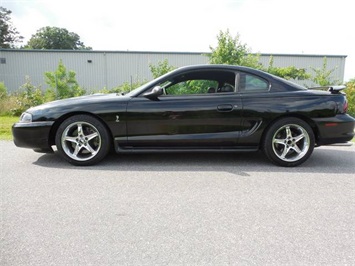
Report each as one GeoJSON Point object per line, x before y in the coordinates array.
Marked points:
{"type": "Point", "coordinates": [322, 27]}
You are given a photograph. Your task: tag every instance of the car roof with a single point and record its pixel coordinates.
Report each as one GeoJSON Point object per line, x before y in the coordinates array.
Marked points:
{"type": "Point", "coordinates": [219, 66]}
{"type": "Point", "coordinates": [228, 67]}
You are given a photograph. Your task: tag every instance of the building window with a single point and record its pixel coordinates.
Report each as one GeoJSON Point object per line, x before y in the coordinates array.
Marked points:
{"type": "Point", "coordinates": [2, 60]}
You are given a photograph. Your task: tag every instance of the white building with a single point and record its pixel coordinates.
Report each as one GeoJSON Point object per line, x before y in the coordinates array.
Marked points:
{"type": "Point", "coordinates": [96, 70]}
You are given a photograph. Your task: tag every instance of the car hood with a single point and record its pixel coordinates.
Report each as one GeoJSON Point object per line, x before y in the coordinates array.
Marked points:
{"type": "Point", "coordinates": [95, 103]}
{"type": "Point", "coordinates": [82, 100]}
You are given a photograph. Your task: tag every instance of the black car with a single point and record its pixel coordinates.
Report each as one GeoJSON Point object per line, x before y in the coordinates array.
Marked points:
{"type": "Point", "coordinates": [208, 108]}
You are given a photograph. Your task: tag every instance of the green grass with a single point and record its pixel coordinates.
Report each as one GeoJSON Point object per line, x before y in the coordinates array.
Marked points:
{"type": "Point", "coordinates": [6, 123]}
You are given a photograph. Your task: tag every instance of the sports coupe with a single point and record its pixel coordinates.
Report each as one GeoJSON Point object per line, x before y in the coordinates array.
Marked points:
{"type": "Point", "coordinates": [205, 108]}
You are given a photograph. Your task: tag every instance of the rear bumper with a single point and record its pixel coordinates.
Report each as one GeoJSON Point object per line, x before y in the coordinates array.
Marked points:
{"type": "Point", "coordinates": [338, 129]}
{"type": "Point", "coordinates": [33, 135]}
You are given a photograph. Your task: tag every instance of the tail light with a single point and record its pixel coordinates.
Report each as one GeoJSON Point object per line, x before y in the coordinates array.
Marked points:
{"type": "Point", "coordinates": [342, 107]}
{"type": "Point", "coordinates": [345, 107]}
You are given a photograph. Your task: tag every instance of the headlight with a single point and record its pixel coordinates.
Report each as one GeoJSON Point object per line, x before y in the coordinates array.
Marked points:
{"type": "Point", "coordinates": [26, 118]}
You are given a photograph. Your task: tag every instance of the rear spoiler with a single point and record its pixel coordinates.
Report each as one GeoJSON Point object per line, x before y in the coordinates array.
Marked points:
{"type": "Point", "coordinates": [332, 89]}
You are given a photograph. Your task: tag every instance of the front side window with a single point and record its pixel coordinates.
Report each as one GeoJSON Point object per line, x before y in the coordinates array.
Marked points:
{"type": "Point", "coordinates": [201, 82]}
{"type": "Point", "coordinates": [198, 86]}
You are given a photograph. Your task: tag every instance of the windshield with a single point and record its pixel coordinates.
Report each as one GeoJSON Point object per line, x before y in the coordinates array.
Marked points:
{"type": "Point", "coordinates": [150, 84]}
{"type": "Point", "coordinates": [136, 90]}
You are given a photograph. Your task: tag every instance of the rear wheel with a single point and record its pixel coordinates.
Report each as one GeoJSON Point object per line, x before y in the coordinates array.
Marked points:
{"type": "Point", "coordinates": [289, 142]}
{"type": "Point", "coordinates": [82, 140]}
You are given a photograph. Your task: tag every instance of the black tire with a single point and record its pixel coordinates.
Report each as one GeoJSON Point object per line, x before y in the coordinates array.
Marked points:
{"type": "Point", "coordinates": [289, 142]}
{"type": "Point", "coordinates": [82, 140]}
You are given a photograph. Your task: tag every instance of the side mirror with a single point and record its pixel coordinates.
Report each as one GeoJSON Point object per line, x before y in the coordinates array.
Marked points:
{"type": "Point", "coordinates": [155, 93]}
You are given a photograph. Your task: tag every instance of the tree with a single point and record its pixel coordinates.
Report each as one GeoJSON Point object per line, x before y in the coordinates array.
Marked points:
{"type": "Point", "coordinates": [9, 36]}
{"type": "Point", "coordinates": [231, 51]}
{"type": "Point", "coordinates": [290, 72]}
{"type": "Point", "coordinates": [63, 82]}
{"type": "Point", "coordinates": [323, 76]}
{"type": "Point", "coordinates": [56, 38]}
{"type": "Point", "coordinates": [158, 70]}
{"type": "Point", "coordinates": [161, 68]}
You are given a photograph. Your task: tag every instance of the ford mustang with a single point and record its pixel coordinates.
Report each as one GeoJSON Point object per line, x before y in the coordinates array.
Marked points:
{"type": "Point", "coordinates": [205, 108]}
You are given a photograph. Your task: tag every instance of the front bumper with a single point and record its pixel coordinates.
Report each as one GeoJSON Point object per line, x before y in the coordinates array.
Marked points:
{"type": "Point", "coordinates": [34, 135]}
{"type": "Point", "coordinates": [339, 129]}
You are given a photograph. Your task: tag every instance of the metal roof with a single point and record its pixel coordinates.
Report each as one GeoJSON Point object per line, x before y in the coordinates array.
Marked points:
{"type": "Point", "coordinates": [156, 52]}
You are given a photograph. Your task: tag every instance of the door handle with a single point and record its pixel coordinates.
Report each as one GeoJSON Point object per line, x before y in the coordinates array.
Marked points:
{"type": "Point", "coordinates": [225, 108]}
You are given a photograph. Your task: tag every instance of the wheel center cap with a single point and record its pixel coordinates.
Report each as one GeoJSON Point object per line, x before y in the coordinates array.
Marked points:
{"type": "Point", "coordinates": [82, 141]}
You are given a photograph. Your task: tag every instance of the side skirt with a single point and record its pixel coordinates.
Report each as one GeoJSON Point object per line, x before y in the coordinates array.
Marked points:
{"type": "Point", "coordinates": [129, 149]}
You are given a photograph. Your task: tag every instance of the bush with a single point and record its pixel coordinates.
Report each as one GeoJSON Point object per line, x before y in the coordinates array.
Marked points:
{"type": "Point", "coordinates": [63, 82]}
{"type": "Point", "coordinates": [7, 102]}
{"type": "Point", "coordinates": [3, 90]}
{"type": "Point", "coordinates": [7, 105]}
{"type": "Point", "coordinates": [323, 76]}
{"type": "Point", "coordinates": [350, 95]}
{"type": "Point", "coordinates": [127, 87]}
{"type": "Point", "coordinates": [28, 97]}
{"type": "Point", "coordinates": [63, 85]}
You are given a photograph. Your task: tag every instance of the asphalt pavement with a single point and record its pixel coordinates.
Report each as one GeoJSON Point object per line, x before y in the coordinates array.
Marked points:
{"type": "Point", "coordinates": [177, 209]}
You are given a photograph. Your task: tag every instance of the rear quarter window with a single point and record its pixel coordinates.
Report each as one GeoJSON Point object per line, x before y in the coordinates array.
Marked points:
{"type": "Point", "coordinates": [250, 83]}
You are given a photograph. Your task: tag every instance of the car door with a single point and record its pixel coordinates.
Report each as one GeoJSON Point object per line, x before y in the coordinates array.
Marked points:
{"type": "Point", "coordinates": [191, 114]}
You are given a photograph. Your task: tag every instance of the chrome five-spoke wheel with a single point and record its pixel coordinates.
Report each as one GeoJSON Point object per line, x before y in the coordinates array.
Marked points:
{"type": "Point", "coordinates": [82, 140]}
{"type": "Point", "coordinates": [289, 142]}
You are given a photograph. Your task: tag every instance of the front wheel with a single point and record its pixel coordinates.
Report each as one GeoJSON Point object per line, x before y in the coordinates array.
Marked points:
{"type": "Point", "coordinates": [289, 142]}
{"type": "Point", "coordinates": [82, 140]}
